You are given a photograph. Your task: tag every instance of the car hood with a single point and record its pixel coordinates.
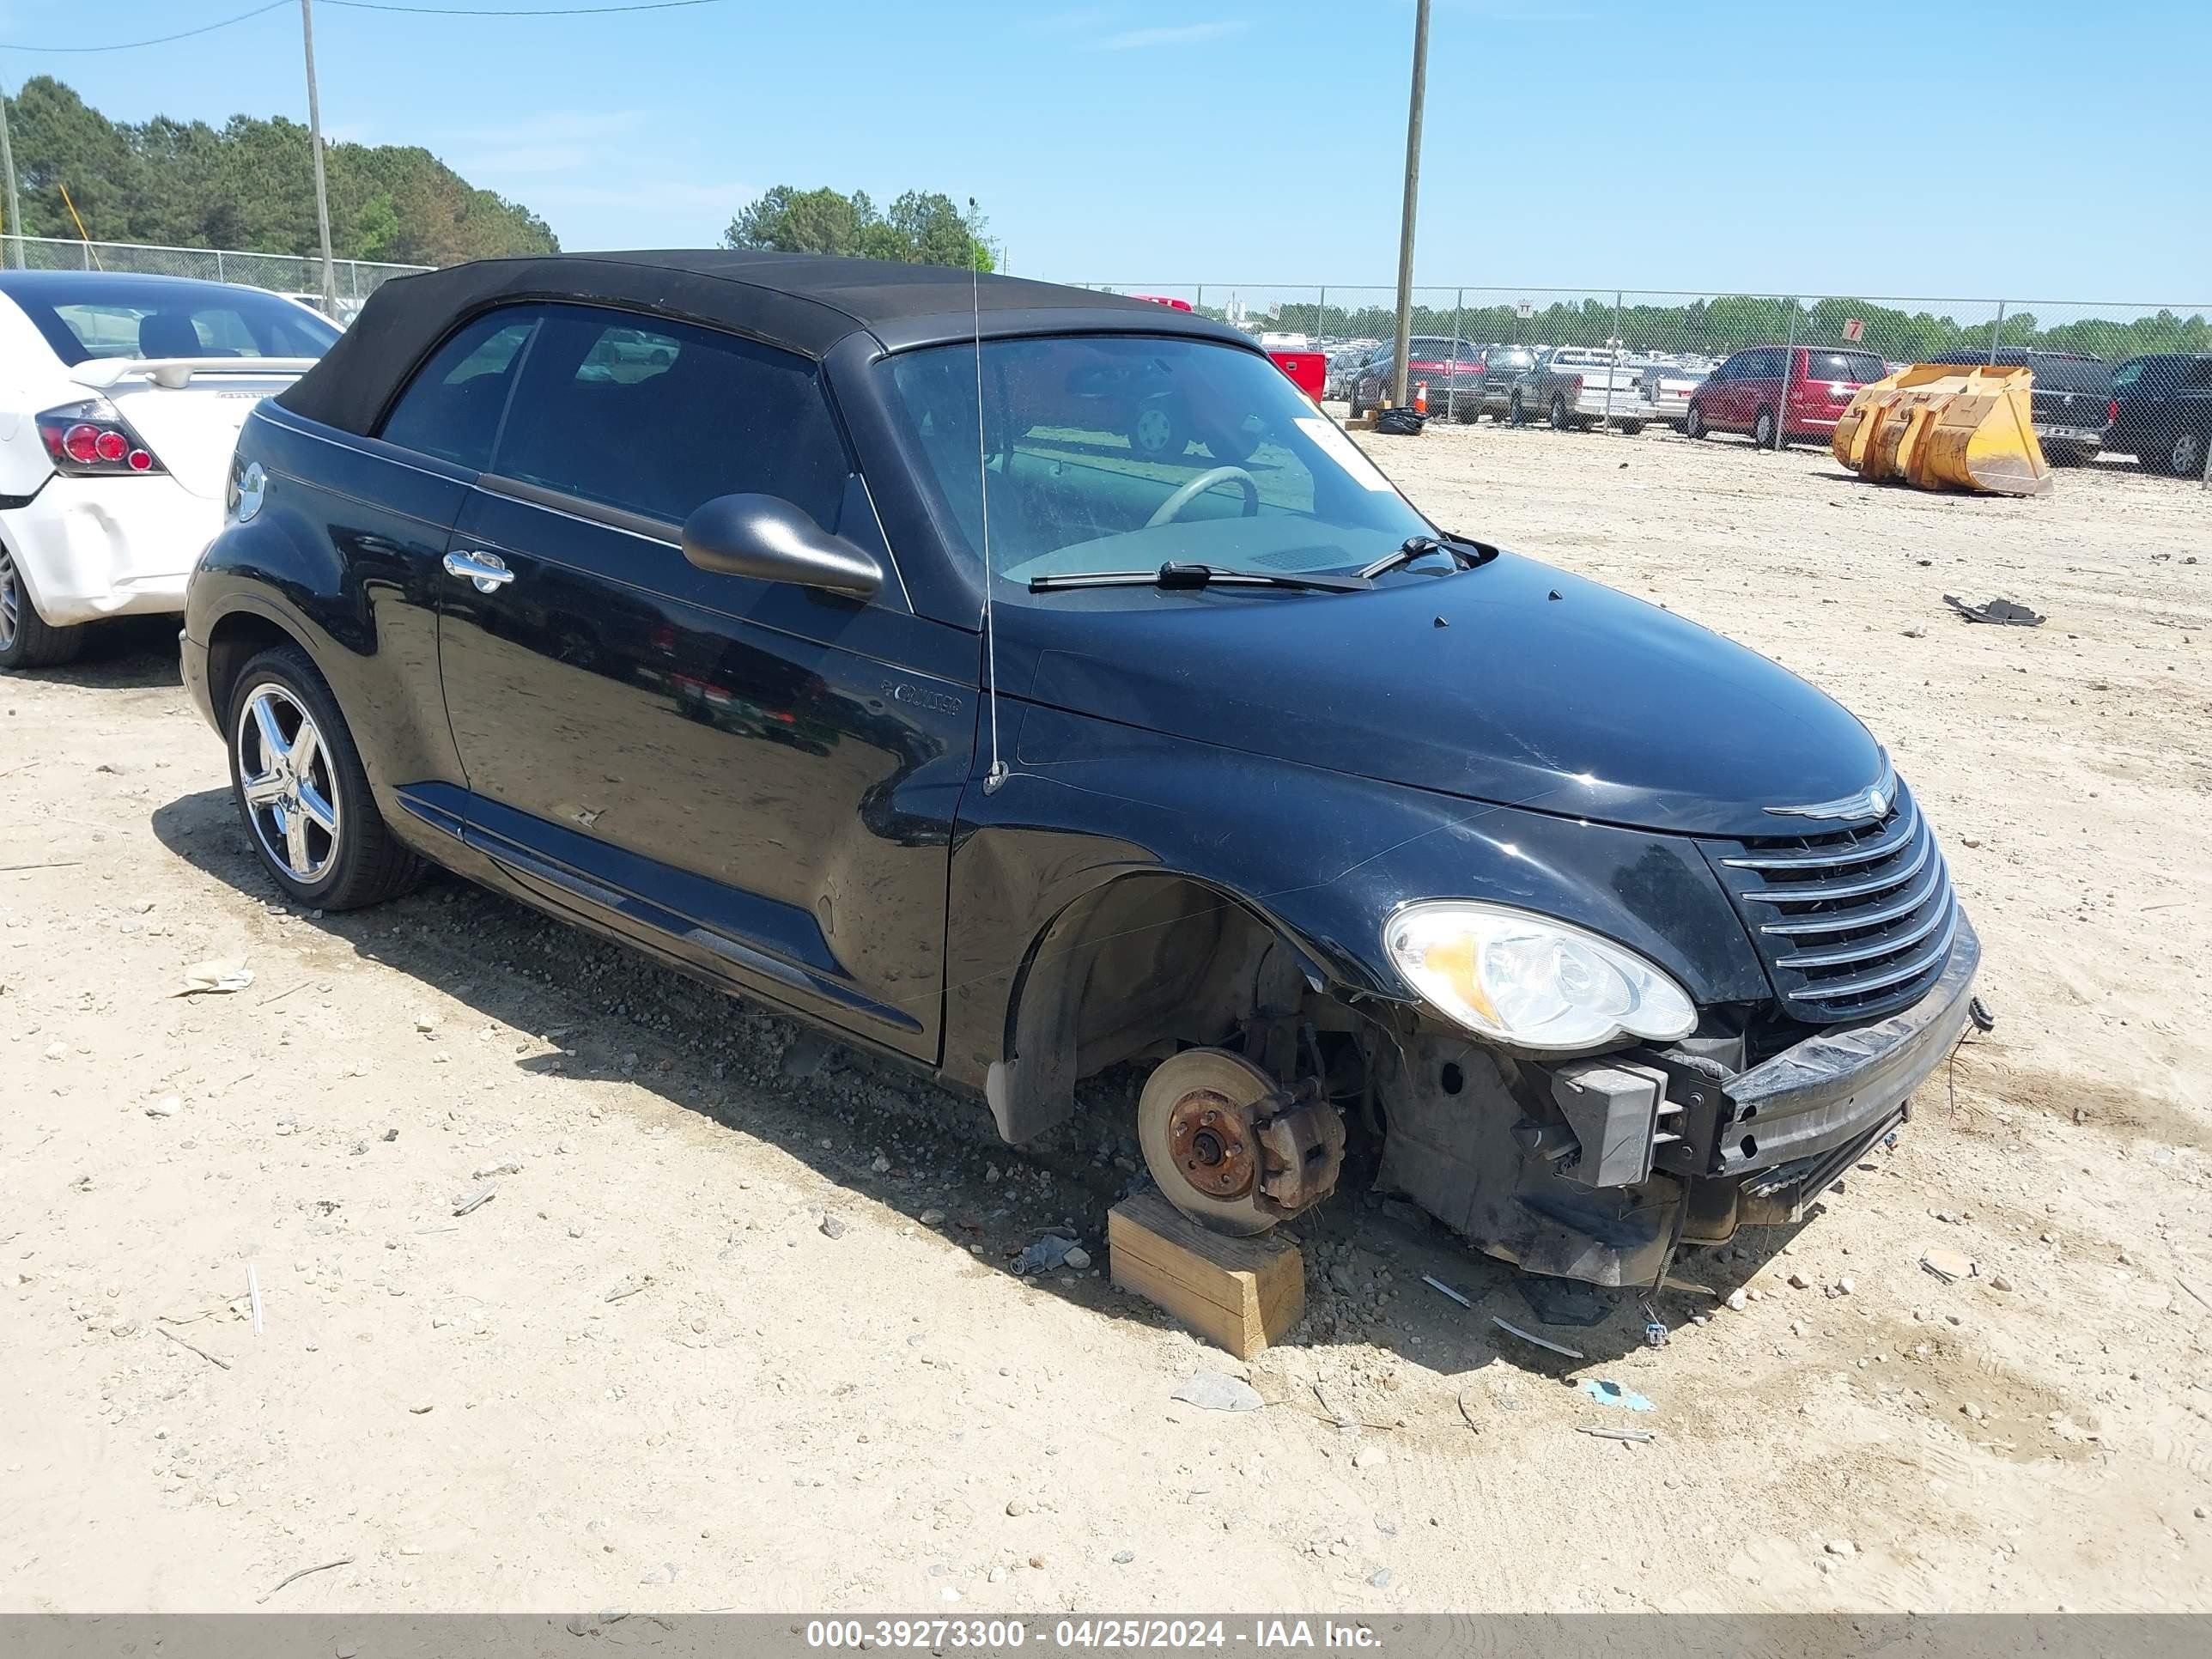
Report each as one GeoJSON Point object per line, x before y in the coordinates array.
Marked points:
{"type": "Point", "coordinates": [1512, 683]}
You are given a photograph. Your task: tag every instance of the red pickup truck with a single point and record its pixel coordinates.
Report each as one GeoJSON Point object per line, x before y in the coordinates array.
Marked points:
{"type": "Point", "coordinates": [1307, 366]}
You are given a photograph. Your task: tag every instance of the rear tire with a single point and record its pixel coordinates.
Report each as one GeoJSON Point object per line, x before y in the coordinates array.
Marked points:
{"type": "Point", "coordinates": [1631, 427]}
{"type": "Point", "coordinates": [1351, 402]}
{"type": "Point", "coordinates": [27, 639]}
{"type": "Point", "coordinates": [1693, 423]}
{"type": "Point", "coordinates": [1763, 430]}
{"type": "Point", "coordinates": [354, 860]}
{"type": "Point", "coordinates": [1515, 414]}
{"type": "Point", "coordinates": [1561, 420]}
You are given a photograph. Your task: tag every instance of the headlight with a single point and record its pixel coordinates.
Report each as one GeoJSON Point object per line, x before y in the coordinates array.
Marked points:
{"type": "Point", "coordinates": [1530, 981]}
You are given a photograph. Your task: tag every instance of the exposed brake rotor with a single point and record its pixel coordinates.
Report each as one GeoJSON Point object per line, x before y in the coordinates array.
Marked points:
{"type": "Point", "coordinates": [1231, 1148]}
{"type": "Point", "coordinates": [1212, 1140]}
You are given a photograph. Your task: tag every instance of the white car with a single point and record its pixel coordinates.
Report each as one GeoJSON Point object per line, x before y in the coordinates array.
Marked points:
{"type": "Point", "coordinates": [120, 401]}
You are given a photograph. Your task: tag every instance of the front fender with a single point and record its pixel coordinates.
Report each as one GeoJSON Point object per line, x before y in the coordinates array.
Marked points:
{"type": "Point", "coordinates": [1322, 857]}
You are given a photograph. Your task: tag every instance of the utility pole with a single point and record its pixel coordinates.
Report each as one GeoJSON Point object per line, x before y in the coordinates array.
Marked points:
{"type": "Point", "coordinates": [1412, 192]}
{"type": "Point", "coordinates": [15, 225]}
{"type": "Point", "coordinates": [315, 138]}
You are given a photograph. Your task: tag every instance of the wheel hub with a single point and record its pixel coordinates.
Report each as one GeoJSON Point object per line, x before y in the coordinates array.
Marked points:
{"type": "Point", "coordinates": [1212, 1142]}
{"type": "Point", "coordinates": [10, 604]}
{"type": "Point", "coordinates": [289, 785]}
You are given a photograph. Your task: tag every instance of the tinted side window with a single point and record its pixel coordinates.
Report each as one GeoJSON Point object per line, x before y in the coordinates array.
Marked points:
{"type": "Point", "coordinates": [658, 419]}
{"type": "Point", "coordinates": [453, 406]}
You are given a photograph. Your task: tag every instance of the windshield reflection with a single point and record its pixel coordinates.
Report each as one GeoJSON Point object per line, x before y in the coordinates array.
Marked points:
{"type": "Point", "coordinates": [1104, 453]}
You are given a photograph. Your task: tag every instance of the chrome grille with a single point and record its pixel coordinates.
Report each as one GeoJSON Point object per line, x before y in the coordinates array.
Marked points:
{"type": "Point", "coordinates": [1852, 924]}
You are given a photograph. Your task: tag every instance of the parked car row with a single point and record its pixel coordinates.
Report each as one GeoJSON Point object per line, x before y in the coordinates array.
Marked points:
{"type": "Point", "coordinates": [684, 597]}
{"type": "Point", "coordinates": [2157, 408]}
{"type": "Point", "coordinates": [1568, 386]}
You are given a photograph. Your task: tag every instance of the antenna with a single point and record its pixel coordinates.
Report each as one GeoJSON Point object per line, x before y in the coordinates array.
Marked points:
{"type": "Point", "coordinates": [997, 774]}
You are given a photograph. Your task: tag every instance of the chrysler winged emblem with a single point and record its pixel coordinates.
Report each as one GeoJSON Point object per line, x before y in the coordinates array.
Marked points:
{"type": "Point", "coordinates": [1871, 802]}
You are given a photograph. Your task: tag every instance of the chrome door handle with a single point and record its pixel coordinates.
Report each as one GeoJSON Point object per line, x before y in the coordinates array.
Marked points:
{"type": "Point", "coordinates": [487, 571]}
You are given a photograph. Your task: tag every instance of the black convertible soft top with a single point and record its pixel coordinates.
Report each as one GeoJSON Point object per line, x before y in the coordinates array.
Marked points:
{"type": "Point", "coordinates": [802, 301]}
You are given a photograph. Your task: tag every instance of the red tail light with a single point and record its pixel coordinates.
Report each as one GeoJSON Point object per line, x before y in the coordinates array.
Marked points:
{"type": "Point", "coordinates": [90, 440]}
{"type": "Point", "coordinates": [2112, 409]}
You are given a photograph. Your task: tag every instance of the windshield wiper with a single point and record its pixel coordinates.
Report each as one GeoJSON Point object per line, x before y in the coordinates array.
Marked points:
{"type": "Point", "coordinates": [1174, 575]}
{"type": "Point", "coordinates": [1465, 553]}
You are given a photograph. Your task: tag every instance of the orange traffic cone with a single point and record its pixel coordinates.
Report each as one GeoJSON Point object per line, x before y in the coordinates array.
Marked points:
{"type": "Point", "coordinates": [1421, 397]}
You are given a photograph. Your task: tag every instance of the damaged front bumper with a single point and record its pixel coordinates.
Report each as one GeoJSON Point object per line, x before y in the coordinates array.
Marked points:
{"type": "Point", "coordinates": [1842, 1088]}
{"type": "Point", "coordinates": [1597, 1169]}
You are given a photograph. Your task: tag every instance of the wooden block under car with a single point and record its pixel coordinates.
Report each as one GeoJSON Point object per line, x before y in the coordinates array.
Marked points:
{"type": "Point", "coordinates": [1240, 1294]}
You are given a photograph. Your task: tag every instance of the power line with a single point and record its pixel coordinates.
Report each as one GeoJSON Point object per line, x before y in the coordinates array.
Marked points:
{"type": "Point", "coordinates": [160, 41]}
{"type": "Point", "coordinates": [528, 11]}
{"type": "Point", "coordinates": [377, 5]}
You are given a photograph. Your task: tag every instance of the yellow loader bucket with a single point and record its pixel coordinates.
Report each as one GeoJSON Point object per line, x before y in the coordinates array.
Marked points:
{"type": "Point", "coordinates": [1946, 427]}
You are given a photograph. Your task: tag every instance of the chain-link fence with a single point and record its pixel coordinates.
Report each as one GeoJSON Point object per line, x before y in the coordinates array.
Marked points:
{"type": "Point", "coordinates": [282, 273]}
{"type": "Point", "coordinates": [1651, 350]}
{"type": "Point", "coordinates": [1710, 326]}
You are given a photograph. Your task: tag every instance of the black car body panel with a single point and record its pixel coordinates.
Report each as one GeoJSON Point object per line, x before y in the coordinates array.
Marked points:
{"type": "Point", "coordinates": [1517, 684]}
{"type": "Point", "coordinates": [1206, 805]}
{"type": "Point", "coordinates": [1090, 802]}
{"type": "Point", "coordinates": [764, 772]}
{"type": "Point", "coordinates": [2162, 412]}
{"type": "Point", "coordinates": [345, 561]}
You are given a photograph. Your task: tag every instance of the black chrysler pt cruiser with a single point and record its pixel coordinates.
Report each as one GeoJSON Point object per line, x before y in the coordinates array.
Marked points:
{"type": "Point", "coordinates": [1018, 681]}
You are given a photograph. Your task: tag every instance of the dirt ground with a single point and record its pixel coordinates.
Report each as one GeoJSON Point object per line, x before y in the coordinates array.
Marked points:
{"type": "Point", "coordinates": [646, 1373]}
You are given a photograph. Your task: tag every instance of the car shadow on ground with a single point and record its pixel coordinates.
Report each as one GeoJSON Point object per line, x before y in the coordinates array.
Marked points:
{"type": "Point", "coordinates": [134, 653]}
{"type": "Point", "coordinates": [1379, 1272]}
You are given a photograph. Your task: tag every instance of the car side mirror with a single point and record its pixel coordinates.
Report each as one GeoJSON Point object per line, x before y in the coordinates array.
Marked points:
{"type": "Point", "coordinates": [768, 539]}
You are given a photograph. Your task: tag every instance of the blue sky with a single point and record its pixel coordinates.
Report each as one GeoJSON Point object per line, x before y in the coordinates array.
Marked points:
{"type": "Point", "coordinates": [2034, 148]}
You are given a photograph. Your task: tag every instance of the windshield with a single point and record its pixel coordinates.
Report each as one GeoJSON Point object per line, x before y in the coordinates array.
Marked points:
{"type": "Point", "coordinates": [100, 315]}
{"type": "Point", "coordinates": [1106, 452]}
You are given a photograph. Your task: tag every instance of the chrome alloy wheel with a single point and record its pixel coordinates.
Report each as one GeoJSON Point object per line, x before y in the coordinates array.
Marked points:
{"type": "Point", "coordinates": [11, 600]}
{"type": "Point", "coordinates": [284, 774]}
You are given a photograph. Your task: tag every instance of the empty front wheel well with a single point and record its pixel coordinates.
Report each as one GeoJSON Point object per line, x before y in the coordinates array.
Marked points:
{"type": "Point", "coordinates": [1137, 966]}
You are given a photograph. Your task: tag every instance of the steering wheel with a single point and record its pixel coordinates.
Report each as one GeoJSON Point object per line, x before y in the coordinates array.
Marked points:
{"type": "Point", "coordinates": [1169, 509]}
